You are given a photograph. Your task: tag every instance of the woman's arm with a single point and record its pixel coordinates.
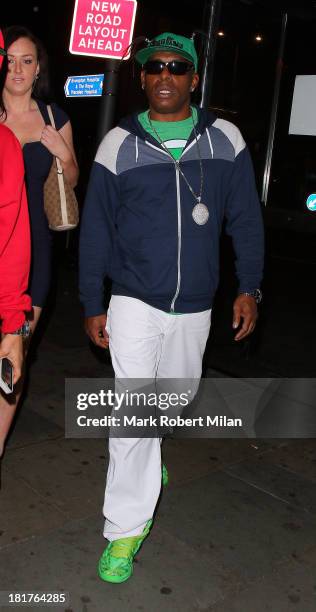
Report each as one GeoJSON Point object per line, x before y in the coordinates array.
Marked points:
{"type": "Point", "coordinates": [15, 248]}
{"type": "Point", "coordinates": [60, 144]}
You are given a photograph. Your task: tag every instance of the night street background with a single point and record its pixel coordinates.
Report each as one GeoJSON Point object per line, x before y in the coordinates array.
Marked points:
{"type": "Point", "coordinates": [235, 529]}
{"type": "Point", "coordinates": [242, 91]}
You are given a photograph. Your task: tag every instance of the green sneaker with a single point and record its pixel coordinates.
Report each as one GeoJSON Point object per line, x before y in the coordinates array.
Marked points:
{"type": "Point", "coordinates": [116, 562]}
{"type": "Point", "coordinates": [164, 475]}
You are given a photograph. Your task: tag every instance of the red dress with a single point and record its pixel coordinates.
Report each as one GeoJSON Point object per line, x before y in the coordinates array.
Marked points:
{"type": "Point", "coordinates": [15, 251]}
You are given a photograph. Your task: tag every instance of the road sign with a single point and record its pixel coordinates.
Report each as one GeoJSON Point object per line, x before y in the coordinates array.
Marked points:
{"type": "Point", "coordinates": [102, 29]}
{"type": "Point", "coordinates": [84, 86]}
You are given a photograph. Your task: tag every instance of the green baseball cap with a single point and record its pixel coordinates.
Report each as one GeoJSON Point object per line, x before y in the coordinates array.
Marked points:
{"type": "Point", "coordinates": [169, 42]}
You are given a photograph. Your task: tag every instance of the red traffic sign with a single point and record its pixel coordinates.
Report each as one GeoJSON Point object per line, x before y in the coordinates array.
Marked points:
{"type": "Point", "coordinates": [102, 29]}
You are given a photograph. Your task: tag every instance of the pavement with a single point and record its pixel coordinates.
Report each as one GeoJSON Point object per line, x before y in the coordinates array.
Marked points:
{"type": "Point", "coordinates": [235, 528]}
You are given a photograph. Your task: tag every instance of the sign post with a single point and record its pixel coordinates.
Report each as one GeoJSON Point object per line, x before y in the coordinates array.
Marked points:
{"type": "Point", "coordinates": [108, 99]}
{"type": "Point", "coordinates": [104, 29]}
{"type": "Point", "coordinates": [214, 8]}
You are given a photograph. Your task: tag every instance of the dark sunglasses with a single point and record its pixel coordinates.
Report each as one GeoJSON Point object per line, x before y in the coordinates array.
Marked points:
{"type": "Point", "coordinates": [175, 67]}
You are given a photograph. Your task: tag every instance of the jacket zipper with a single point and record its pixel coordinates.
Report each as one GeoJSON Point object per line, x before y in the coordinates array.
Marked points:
{"type": "Point", "coordinates": [179, 241]}
{"type": "Point", "coordinates": [179, 226]}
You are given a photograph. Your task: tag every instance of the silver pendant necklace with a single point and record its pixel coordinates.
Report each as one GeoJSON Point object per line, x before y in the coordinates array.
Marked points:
{"type": "Point", "coordinates": [200, 212]}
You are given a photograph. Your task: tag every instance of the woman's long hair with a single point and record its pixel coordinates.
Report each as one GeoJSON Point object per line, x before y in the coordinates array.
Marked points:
{"type": "Point", "coordinates": [41, 88]}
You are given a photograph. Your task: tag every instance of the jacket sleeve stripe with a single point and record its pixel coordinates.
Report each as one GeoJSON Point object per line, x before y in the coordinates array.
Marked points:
{"type": "Point", "coordinates": [232, 133]}
{"type": "Point", "coordinates": [108, 150]}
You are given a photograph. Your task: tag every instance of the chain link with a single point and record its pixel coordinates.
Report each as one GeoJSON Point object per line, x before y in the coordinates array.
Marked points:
{"type": "Point", "coordinates": [177, 162]}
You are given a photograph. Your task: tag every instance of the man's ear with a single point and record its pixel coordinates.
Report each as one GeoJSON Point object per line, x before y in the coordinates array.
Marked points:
{"type": "Point", "coordinates": [195, 81]}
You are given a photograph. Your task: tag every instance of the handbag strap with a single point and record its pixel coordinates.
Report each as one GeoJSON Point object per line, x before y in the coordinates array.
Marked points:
{"type": "Point", "coordinates": [51, 116]}
{"type": "Point", "coordinates": [60, 176]}
{"type": "Point", "coordinates": [52, 120]}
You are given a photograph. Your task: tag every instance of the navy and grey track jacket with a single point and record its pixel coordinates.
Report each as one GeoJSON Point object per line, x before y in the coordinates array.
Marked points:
{"type": "Point", "coordinates": [137, 226]}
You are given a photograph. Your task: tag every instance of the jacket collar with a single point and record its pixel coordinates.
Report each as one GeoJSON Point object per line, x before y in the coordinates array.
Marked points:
{"type": "Point", "coordinates": [132, 125]}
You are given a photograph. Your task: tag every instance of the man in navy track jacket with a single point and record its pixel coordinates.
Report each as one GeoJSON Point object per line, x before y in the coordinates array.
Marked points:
{"type": "Point", "coordinates": [161, 185]}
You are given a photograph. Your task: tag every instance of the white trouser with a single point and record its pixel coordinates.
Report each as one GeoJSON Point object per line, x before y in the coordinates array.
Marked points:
{"type": "Point", "coordinates": [145, 343]}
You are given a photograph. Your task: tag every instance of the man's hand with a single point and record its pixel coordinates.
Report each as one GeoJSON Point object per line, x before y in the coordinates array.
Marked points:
{"type": "Point", "coordinates": [245, 308]}
{"type": "Point", "coordinates": [12, 347]}
{"type": "Point", "coordinates": [95, 328]}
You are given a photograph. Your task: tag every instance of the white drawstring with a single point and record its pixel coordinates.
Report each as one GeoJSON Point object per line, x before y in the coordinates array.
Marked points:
{"type": "Point", "coordinates": [210, 142]}
{"type": "Point", "coordinates": [136, 147]}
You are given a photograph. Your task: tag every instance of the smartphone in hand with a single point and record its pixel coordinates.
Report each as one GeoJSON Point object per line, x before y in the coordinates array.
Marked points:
{"type": "Point", "coordinates": [6, 375]}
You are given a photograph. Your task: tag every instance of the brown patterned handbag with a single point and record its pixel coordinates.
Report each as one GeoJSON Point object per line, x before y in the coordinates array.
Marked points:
{"type": "Point", "coordinates": [60, 202]}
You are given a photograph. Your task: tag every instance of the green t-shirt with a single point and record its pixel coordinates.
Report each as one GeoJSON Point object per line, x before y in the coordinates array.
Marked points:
{"type": "Point", "coordinates": [174, 134]}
